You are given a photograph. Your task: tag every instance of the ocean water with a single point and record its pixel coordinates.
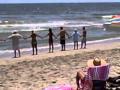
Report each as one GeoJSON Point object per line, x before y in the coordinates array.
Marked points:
{"type": "Point", "coordinates": [39, 17]}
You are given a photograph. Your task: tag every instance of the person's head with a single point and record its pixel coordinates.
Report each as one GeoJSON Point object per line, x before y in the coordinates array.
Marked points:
{"type": "Point", "coordinates": [96, 62]}
{"type": "Point", "coordinates": [83, 28]}
{"type": "Point", "coordinates": [50, 30]}
{"type": "Point", "coordinates": [14, 32]}
{"type": "Point", "coordinates": [32, 32]}
{"type": "Point", "coordinates": [61, 28]}
{"type": "Point", "coordinates": [75, 31]}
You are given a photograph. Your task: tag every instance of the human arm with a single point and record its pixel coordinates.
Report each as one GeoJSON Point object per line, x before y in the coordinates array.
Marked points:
{"type": "Point", "coordinates": [58, 35]}
{"type": "Point", "coordinates": [27, 37]}
{"type": "Point", "coordinates": [9, 37]}
{"type": "Point", "coordinates": [46, 35]}
{"type": "Point", "coordinates": [23, 37]}
{"type": "Point", "coordinates": [20, 36]}
{"type": "Point", "coordinates": [67, 34]}
{"type": "Point", "coordinates": [72, 35]}
{"type": "Point", "coordinates": [54, 36]}
{"type": "Point", "coordinates": [39, 36]}
{"type": "Point", "coordinates": [79, 34]}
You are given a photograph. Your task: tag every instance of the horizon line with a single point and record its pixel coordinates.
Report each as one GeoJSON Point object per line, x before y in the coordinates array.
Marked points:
{"type": "Point", "coordinates": [55, 2]}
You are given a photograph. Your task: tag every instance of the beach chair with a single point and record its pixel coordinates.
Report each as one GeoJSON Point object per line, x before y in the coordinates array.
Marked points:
{"type": "Point", "coordinates": [99, 76]}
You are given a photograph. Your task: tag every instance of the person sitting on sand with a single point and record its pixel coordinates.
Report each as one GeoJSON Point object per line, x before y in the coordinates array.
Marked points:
{"type": "Point", "coordinates": [15, 42]}
{"type": "Point", "coordinates": [34, 41]}
{"type": "Point", "coordinates": [50, 35]}
{"type": "Point", "coordinates": [97, 73]}
{"type": "Point", "coordinates": [75, 35]}
{"type": "Point", "coordinates": [62, 35]}
{"type": "Point", "coordinates": [83, 40]}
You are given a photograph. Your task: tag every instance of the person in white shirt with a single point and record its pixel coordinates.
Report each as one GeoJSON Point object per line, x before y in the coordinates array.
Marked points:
{"type": "Point", "coordinates": [75, 36]}
{"type": "Point", "coordinates": [15, 36]}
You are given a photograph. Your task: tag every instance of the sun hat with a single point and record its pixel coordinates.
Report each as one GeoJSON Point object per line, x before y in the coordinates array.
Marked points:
{"type": "Point", "coordinates": [96, 62]}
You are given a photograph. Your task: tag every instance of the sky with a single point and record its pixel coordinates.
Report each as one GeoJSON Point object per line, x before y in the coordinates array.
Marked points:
{"type": "Point", "coordinates": [54, 1]}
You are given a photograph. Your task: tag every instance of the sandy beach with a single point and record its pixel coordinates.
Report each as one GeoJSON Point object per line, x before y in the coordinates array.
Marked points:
{"type": "Point", "coordinates": [37, 72]}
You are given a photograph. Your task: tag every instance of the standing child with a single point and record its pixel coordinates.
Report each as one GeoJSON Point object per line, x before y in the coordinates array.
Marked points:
{"type": "Point", "coordinates": [75, 35]}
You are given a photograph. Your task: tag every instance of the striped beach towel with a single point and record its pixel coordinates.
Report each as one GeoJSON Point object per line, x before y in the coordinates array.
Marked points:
{"type": "Point", "coordinates": [98, 72]}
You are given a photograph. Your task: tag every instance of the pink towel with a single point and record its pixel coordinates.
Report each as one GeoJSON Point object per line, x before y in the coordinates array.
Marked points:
{"type": "Point", "coordinates": [59, 87]}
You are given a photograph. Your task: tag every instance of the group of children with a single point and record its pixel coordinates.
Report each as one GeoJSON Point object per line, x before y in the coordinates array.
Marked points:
{"type": "Point", "coordinates": [75, 35]}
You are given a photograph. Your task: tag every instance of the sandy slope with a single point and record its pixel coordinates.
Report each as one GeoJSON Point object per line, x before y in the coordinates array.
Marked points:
{"type": "Point", "coordinates": [45, 69]}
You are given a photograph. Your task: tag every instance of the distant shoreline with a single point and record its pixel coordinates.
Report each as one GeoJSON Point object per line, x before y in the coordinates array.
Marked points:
{"type": "Point", "coordinates": [69, 46]}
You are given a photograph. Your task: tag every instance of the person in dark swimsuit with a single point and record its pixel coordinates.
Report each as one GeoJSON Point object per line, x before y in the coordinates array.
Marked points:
{"type": "Point", "coordinates": [83, 41]}
{"type": "Point", "coordinates": [34, 42]}
{"type": "Point", "coordinates": [62, 35]}
{"type": "Point", "coordinates": [50, 35]}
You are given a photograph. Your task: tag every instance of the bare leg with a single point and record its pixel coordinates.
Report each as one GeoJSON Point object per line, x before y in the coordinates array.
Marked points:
{"type": "Point", "coordinates": [49, 48]}
{"type": "Point", "coordinates": [80, 75]}
{"type": "Point", "coordinates": [64, 47]}
{"type": "Point", "coordinates": [14, 53]}
{"type": "Point", "coordinates": [33, 50]}
{"type": "Point", "coordinates": [19, 52]}
{"type": "Point", "coordinates": [61, 47]}
{"type": "Point", "coordinates": [85, 44]}
{"type": "Point", "coordinates": [74, 45]}
{"type": "Point", "coordinates": [52, 47]}
{"type": "Point", "coordinates": [81, 43]}
{"type": "Point", "coordinates": [36, 50]}
{"type": "Point", "coordinates": [77, 45]}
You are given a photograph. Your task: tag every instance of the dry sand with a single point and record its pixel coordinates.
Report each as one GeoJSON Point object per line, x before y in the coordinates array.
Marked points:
{"type": "Point", "coordinates": [35, 72]}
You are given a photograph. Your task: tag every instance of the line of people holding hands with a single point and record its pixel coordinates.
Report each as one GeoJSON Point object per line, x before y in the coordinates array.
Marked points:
{"type": "Point", "coordinates": [62, 34]}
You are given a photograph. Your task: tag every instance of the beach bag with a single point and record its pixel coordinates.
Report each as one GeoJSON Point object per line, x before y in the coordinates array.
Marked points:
{"type": "Point", "coordinates": [113, 83]}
